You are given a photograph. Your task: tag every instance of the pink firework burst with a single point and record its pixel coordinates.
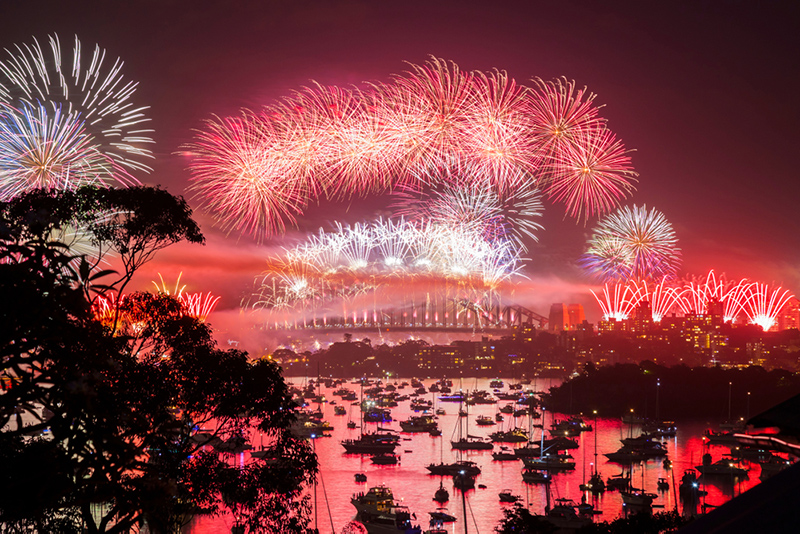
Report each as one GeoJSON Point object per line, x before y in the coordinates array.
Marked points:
{"type": "Point", "coordinates": [559, 113]}
{"type": "Point", "coordinates": [591, 174]}
{"type": "Point", "coordinates": [425, 127]}
{"type": "Point", "coordinates": [245, 178]}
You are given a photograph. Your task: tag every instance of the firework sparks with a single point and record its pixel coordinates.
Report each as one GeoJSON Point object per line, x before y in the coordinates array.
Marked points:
{"type": "Point", "coordinates": [764, 304]}
{"type": "Point", "coordinates": [257, 172]}
{"type": "Point", "coordinates": [67, 123]}
{"type": "Point", "coordinates": [365, 259]}
{"type": "Point", "coordinates": [618, 300]}
{"type": "Point", "coordinates": [633, 243]}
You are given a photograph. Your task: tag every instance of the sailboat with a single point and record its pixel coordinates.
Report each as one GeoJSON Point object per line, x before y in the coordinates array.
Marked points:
{"type": "Point", "coordinates": [470, 442]}
{"type": "Point", "coordinates": [458, 468]}
{"type": "Point", "coordinates": [595, 483]}
{"type": "Point", "coordinates": [378, 442]}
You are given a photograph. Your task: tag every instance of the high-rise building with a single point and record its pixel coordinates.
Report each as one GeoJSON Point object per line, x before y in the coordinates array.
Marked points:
{"type": "Point", "coordinates": [559, 317]}
{"type": "Point", "coordinates": [790, 315]}
{"type": "Point", "coordinates": [576, 315]}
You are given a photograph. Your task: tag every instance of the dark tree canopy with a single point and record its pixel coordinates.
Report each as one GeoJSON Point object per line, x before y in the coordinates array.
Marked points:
{"type": "Point", "coordinates": [136, 414]}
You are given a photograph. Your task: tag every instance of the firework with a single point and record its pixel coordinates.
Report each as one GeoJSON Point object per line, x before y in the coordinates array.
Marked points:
{"type": "Point", "coordinates": [374, 260]}
{"type": "Point", "coordinates": [197, 305]}
{"type": "Point", "coordinates": [714, 293]}
{"type": "Point", "coordinates": [433, 126]}
{"type": "Point", "coordinates": [698, 295]}
{"type": "Point", "coordinates": [245, 180]}
{"type": "Point", "coordinates": [633, 243]}
{"type": "Point", "coordinates": [662, 298]}
{"type": "Point", "coordinates": [590, 175]}
{"type": "Point", "coordinates": [618, 300]}
{"type": "Point", "coordinates": [764, 304]}
{"type": "Point", "coordinates": [560, 114]}
{"type": "Point", "coordinates": [479, 208]}
{"type": "Point", "coordinates": [39, 149]}
{"type": "Point", "coordinates": [66, 122]}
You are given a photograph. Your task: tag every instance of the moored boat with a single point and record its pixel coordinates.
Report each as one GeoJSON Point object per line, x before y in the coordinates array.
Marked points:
{"type": "Point", "coordinates": [379, 514]}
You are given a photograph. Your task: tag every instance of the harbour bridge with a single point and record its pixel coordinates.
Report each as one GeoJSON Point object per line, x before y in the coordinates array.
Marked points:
{"type": "Point", "coordinates": [454, 315]}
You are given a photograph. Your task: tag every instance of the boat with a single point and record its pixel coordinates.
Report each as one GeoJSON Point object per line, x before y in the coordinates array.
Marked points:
{"type": "Point", "coordinates": [484, 420]}
{"type": "Point", "coordinates": [441, 515]}
{"type": "Point", "coordinates": [440, 411]}
{"type": "Point", "coordinates": [564, 515]}
{"type": "Point", "coordinates": [465, 467]}
{"type": "Point", "coordinates": [309, 425]}
{"type": "Point", "coordinates": [556, 444]}
{"type": "Point", "coordinates": [472, 443]}
{"type": "Point", "coordinates": [351, 424]}
{"type": "Point", "coordinates": [595, 484]}
{"type": "Point", "coordinates": [504, 455]}
{"type": "Point", "coordinates": [496, 384]}
{"type": "Point", "coordinates": [372, 443]}
{"type": "Point", "coordinates": [569, 427]}
{"type": "Point", "coordinates": [377, 415]}
{"type": "Point", "coordinates": [360, 477]}
{"type": "Point", "coordinates": [722, 467]}
{"type": "Point", "coordinates": [508, 496]}
{"type": "Point", "coordinates": [551, 462]}
{"type": "Point", "coordinates": [515, 435]}
{"type": "Point", "coordinates": [419, 423]}
{"type": "Point", "coordinates": [340, 410]}
{"type": "Point", "coordinates": [637, 499]}
{"type": "Point", "coordinates": [772, 466]}
{"type": "Point", "coordinates": [536, 476]}
{"type": "Point", "coordinates": [385, 459]}
{"type": "Point", "coordinates": [721, 438]}
{"type": "Point", "coordinates": [626, 455]}
{"type": "Point", "coordinates": [379, 514]}
{"type": "Point", "coordinates": [463, 482]}
{"type": "Point", "coordinates": [469, 443]}
{"type": "Point", "coordinates": [618, 482]}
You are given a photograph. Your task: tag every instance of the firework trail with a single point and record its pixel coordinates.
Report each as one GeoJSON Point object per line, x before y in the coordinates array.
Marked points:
{"type": "Point", "coordinates": [763, 304]}
{"type": "Point", "coordinates": [618, 300]}
{"type": "Point", "coordinates": [66, 122]}
{"type": "Point", "coordinates": [633, 243]}
{"type": "Point", "coordinates": [196, 305]}
{"type": "Point", "coordinates": [662, 298]}
{"type": "Point", "coordinates": [435, 125]}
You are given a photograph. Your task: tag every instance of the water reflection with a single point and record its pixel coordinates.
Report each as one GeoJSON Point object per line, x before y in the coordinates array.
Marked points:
{"type": "Point", "coordinates": [482, 508]}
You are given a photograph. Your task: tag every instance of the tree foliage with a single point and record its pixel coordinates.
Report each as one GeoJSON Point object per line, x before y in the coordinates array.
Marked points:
{"type": "Point", "coordinates": [137, 416]}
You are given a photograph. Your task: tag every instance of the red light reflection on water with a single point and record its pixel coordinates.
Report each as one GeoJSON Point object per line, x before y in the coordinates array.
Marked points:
{"type": "Point", "coordinates": [411, 482]}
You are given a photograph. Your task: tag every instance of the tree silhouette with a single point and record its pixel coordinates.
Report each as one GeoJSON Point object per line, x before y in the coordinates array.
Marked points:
{"type": "Point", "coordinates": [110, 415]}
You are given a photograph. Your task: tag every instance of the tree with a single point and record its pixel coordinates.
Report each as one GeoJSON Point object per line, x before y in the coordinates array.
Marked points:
{"type": "Point", "coordinates": [114, 409]}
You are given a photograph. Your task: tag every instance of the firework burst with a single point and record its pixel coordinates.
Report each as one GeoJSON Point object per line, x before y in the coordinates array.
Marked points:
{"type": "Point", "coordinates": [764, 304]}
{"type": "Point", "coordinates": [435, 125]}
{"type": "Point", "coordinates": [618, 300]}
{"type": "Point", "coordinates": [633, 243]}
{"type": "Point", "coordinates": [67, 122]}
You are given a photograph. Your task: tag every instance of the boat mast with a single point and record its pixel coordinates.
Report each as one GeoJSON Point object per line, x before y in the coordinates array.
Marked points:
{"type": "Point", "coordinates": [595, 442]}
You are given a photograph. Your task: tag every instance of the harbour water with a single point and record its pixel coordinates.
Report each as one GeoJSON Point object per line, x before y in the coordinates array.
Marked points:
{"type": "Point", "coordinates": [481, 508]}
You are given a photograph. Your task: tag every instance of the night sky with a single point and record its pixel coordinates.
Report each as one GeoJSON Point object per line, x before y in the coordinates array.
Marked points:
{"type": "Point", "coordinates": [705, 92]}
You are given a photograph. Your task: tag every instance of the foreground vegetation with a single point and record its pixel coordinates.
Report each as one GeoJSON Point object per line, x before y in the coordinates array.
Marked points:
{"type": "Point", "coordinates": [100, 412]}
